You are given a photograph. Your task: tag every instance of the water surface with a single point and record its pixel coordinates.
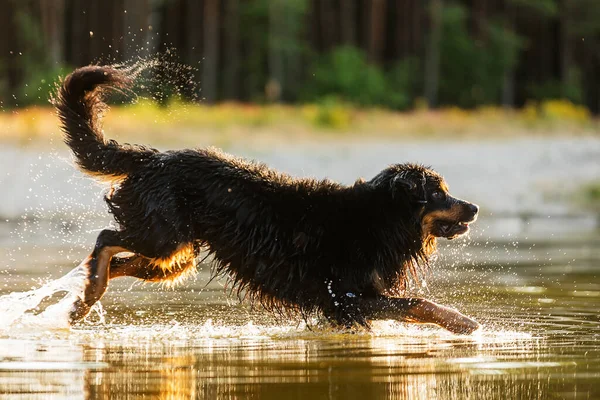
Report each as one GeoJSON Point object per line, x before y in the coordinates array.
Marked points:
{"type": "Point", "coordinates": [532, 282]}
{"type": "Point", "coordinates": [538, 302]}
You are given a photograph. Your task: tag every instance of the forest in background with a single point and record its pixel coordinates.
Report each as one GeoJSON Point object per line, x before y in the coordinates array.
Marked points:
{"type": "Point", "coordinates": [397, 54]}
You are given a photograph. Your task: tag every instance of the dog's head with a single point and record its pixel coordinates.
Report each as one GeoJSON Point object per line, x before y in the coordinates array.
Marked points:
{"type": "Point", "coordinates": [440, 214]}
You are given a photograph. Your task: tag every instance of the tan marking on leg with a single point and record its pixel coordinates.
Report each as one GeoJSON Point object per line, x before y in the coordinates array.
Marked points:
{"type": "Point", "coordinates": [177, 267]}
{"type": "Point", "coordinates": [180, 256]}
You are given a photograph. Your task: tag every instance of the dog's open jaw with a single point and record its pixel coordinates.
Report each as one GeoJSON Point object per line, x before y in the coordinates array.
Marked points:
{"type": "Point", "coordinates": [453, 229]}
{"type": "Point", "coordinates": [449, 223]}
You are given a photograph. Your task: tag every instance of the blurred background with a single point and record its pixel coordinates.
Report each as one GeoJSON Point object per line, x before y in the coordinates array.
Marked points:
{"type": "Point", "coordinates": [500, 96]}
{"type": "Point", "coordinates": [397, 54]}
{"type": "Point", "coordinates": [338, 88]}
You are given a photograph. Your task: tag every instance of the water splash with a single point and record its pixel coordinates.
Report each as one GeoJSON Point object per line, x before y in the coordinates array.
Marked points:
{"type": "Point", "coordinates": [20, 310]}
{"type": "Point", "coordinates": [382, 334]}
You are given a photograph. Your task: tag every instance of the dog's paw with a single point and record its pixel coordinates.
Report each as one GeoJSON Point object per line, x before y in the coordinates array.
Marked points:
{"type": "Point", "coordinates": [462, 325]}
{"type": "Point", "coordinates": [78, 311]}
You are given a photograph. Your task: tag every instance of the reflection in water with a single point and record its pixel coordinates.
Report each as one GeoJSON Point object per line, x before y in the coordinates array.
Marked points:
{"type": "Point", "coordinates": [540, 336]}
{"type": "Point", "coordinates": [275, 362]}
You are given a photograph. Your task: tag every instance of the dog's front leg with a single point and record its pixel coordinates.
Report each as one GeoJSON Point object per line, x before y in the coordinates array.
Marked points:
{"type": "Point", "coordinates": [420, 311]}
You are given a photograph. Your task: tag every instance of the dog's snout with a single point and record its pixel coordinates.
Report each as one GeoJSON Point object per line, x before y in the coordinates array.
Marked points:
{"type": "Point", "coordinates": [474, 208]}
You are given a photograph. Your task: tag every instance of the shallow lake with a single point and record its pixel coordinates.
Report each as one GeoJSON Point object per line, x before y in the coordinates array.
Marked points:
{"type": "Point", "coordinates": [531, 280]}
{"type": "Point", "coordinates": [538, 301]}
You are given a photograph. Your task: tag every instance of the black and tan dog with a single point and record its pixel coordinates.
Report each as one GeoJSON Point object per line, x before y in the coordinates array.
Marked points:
{"type": "Point", "coordinates": [296, 244]}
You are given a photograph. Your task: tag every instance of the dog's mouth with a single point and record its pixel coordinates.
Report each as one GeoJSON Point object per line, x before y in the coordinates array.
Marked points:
{"type": "Point", "coordinates": [453, 229]}
{"type": "Point", "coordinates": [449, 221]}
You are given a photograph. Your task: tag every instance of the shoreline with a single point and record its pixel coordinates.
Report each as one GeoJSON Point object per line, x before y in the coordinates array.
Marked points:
{"type": "Point", "coordinates": [520, 175]}
{"type": "Point", "coordinates": [191, 125]}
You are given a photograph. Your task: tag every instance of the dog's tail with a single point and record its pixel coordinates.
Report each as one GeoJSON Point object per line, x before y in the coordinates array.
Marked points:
{"type": "Point", "coordinates": [80, 105]}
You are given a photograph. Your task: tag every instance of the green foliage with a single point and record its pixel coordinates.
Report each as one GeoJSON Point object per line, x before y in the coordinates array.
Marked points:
{"type": "Point", "coordinates": [254, 22]}
{"type": "Point", "coordinates": [345, 73]}
{"type": "Point", "coordinates": [40, 76]}
{"type": "Point", "coordinates": [274, 49]}
{"type": "Point", "coordinates": [40, 85]}
{"type": "Point", "coordinates": [332, 114]}
{"type": "Point", "coordinates": [590, 196]}
{"type": "Point", "coordinates": [292, 13]}
{"type": "Point", "coordinates": [583, 18]}
{"type": "Point", "coordinates": [593, 192]}
{"type": "Point", "coordinates": [287, 42]}
{"type": "Point", "coordinates": [404, 83]}
{"type": "Point", "coordinates": [546, 8]}
{"type": "Point", "coordinates": [472, 72]}
{"type": "Point", "coordinates": [571, 89]}
{"type": "Point", "coordinates": [33, 38]}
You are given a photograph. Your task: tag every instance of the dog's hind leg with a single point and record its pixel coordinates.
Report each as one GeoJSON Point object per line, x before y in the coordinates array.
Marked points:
{"type": "Point", "coordinates": [102, 266]}
{"type": "Point", "coordinates": [173, 267]}
{"type": "Point", "coordinates": [417, 310]}
{"type": "Point", "coordinates": [145, 268]}
{"type": "Point", "coordinates": [97, 264]}
{"type": "Point", "coordinates": [136, 266]}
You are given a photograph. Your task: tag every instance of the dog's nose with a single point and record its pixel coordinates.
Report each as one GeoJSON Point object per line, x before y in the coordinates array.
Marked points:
{"type": "Point", "coordinates": [474, 208]}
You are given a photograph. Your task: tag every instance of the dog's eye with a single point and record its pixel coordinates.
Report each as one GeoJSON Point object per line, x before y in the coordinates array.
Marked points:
{"type": "Point", "coordinates": [438, 195]}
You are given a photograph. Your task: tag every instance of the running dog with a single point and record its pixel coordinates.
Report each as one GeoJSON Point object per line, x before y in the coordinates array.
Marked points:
{"type": "Point", "coordinates": [288, 243]}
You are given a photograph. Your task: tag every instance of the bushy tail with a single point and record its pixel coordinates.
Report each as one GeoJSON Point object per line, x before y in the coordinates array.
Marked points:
{"type": "Point", "coordinates": [80, 104]}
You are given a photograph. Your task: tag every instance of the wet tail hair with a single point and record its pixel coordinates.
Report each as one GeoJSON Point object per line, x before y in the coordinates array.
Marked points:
{"type": "Point", "coordinates": [80, 104]}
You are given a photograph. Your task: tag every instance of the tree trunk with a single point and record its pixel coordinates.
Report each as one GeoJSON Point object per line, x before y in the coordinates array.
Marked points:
{"type": "Point", "coordinates": [276, 35]}
{"type": "Point", "coordinates": [96, 31]}
{"type": "Point", "coordinates": [232, 50]}
{"type": "Point", "coordinates": [79, 37]}
{"type": "Point", "coordinates": [211, 50]}
{"type": "Point", "coordinates": [194, 44]}
{"type": "Point", "coordinates": [432, 63]}
{"type": "Point", "coordinates": [348, 22]}
{"type": "Point", "coordinates": [52, 13]}
{"type": "Point", "coordinates": [328, 24]}
{"type": "Point", "coordinates": [9, 55]}
{"type": "Point", "coordinates": [173, 26]}
{"type": "Point", "coordinates": [480, 13]}
{"type": "Point", "coordinates": [566, 55]}
{"type": "Point", "coordinates": [417, 23]}
{"type": "Point", "coordinates": [508, 80]}
{"type": "Point", "coordinates": [403, 28]}
{"type": "Point", "coordinates": [135, 25]}
{"type": "Point", "coordinates": [376, 38]}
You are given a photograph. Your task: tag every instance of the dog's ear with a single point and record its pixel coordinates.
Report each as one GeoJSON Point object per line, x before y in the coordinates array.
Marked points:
{"type": "Point", "coordinates": [399, 182]}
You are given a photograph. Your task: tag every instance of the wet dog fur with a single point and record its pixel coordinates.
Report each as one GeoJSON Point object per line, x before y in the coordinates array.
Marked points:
{"type": "Point", "coordinates": [288, 243]}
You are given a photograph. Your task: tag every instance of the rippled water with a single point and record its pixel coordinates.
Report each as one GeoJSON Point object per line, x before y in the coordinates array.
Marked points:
{"type": "Point", "coordinates": [538, 301]}
{"type": "Point", "coordinates": [532, 283]}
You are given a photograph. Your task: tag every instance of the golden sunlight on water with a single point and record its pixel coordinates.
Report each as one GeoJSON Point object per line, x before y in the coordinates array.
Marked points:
{"type": "Point", "coordinates": [208, 349]}
{"type": "Point", "coordinates": [203, 361]}
{"type": "Point", "coordinates": [539, 338]}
